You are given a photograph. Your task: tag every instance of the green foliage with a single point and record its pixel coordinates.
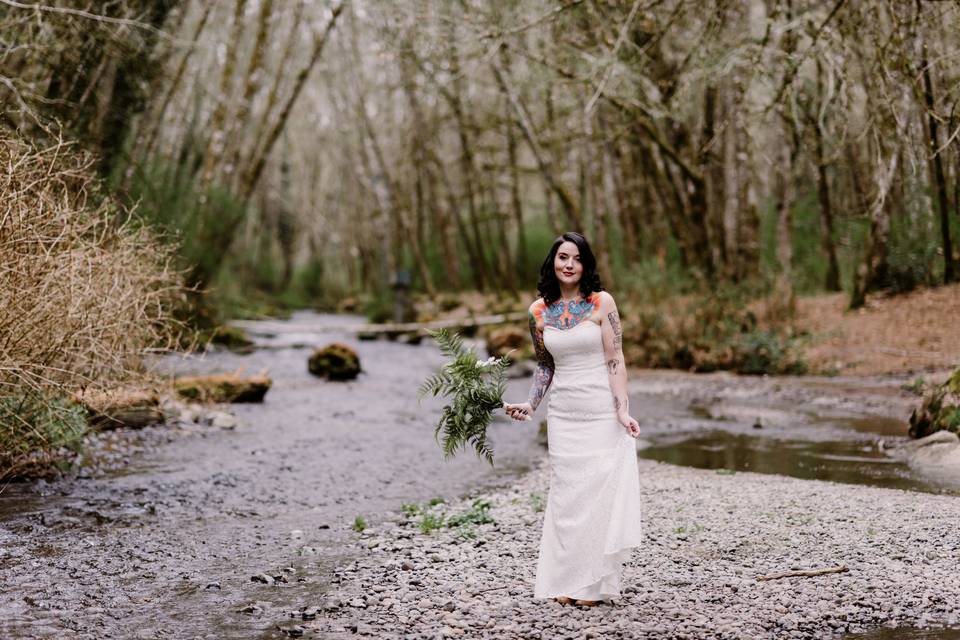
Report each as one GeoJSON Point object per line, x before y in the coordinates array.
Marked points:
{"type": "Point", "coordinates": [477, 515]}
{"type": "Point", "coordinates": [758, 352]}
{"type": "Point", "coordinates": [951, 419]}
{"type": "Point", "coordinates": [912, 253]}
{"type": "Point", "coordinates": [429, 516]}
{"type": "Point", "coordinates": [915, 386]}
{"type": "Point", "coordinates": [538, 502]}
{"type": "Point", "coordinates": [359, 524]}
{"type": "Point", "coordinates": [378, 306]}
{"type": "Point", "coordinates": [939, 409]}
{"type": "Point", "coordinates": [653, 282]}
{"type": "Point", "coordinates": [430, 522]}
{"type": "Point", "coordinates": [709, 331]}
{"type": "Point", "coordinates": [475, 389]}
{"type": "Point", "coordinates": [33, 425]}
{"type": "Point", "coordinates": [204, 220]}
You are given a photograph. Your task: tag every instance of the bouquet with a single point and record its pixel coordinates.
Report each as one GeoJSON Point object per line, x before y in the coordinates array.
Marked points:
{"type": "Point", "coordinates": [475, 388]}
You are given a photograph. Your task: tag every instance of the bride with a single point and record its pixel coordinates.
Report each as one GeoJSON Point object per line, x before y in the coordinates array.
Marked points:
{"type": "Point", "coordinates": [592, 518]}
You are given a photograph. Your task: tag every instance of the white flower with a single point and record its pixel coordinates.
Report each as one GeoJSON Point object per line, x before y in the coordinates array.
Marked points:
{"type": "Point", "coordinates": [483, 364]}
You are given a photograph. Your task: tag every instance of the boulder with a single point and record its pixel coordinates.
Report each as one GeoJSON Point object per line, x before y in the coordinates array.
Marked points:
{"type": "Point", "coordinates": [114, 408]}
{"type": "Point", "coordinates": [935, 454]}
{"type": "Point", "coordinates": [336, 361]}
{"type": "Point", "coordinates": [502, 341]}
{"type": "Point", "coordinates": [233, 338]}
{"type": "Point", "coordinates": [939, 410]}
{"type": "Point", "coordinates": [223, 387]}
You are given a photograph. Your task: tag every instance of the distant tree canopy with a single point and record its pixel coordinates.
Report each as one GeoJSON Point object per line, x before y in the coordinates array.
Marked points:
{"type": "Point", "coordinates": [789, 143]}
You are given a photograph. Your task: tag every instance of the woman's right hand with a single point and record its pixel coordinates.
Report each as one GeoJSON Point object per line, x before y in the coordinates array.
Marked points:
{"type": "Point", "coordinates": [520, 411]}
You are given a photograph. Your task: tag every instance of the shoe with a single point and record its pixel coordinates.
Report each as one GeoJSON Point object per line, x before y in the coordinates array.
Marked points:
{"type": "Point", "coordinates": [563, 600]}
{"type": "Point", "coordinates": [587, 603]}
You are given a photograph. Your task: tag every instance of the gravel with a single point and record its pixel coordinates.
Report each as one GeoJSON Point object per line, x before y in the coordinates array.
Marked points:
{"type": "Point", "coordinates": [708, 537]}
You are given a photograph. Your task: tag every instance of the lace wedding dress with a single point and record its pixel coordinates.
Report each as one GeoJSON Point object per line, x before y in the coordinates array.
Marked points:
{"type": "Point", "coordinates": [592, 518]}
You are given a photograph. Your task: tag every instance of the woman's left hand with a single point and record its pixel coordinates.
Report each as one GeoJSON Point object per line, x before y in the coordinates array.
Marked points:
{"type": "Point", "coordinates": [631, 425]}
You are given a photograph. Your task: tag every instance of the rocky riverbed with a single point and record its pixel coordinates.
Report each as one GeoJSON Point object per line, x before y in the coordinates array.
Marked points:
{"type": "Point", "coordinates": [708, 537]}
{"type": "Point", "coordinates": [223, 527]}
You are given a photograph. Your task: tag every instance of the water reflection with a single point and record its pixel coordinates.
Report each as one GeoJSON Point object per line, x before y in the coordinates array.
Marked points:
{"type": "Point", "coordinates": [854, 461]}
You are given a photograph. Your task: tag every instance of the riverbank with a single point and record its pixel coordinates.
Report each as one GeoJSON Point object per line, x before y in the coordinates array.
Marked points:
{"type": "Point", "coordinates": [708, 535]}
{"type": "Point", "coordinates": [909, 333]}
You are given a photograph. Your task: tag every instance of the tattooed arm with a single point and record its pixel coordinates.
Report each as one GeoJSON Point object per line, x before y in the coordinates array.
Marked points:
{"type": "Point", "coordinates": [544, 373]}
{"type": "Point", "coordinates": [545, 367]}
{"type": "Point", "coordinates": [612, 332]}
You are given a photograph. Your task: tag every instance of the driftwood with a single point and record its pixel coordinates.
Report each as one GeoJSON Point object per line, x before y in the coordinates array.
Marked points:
{"type": "Point", "coordinates": [806, 573]}
{"type": "Point", "coordinates": [114, 408]}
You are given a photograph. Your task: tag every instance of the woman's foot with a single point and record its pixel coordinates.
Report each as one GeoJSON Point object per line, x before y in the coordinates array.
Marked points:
{"type": "Point", "coordinates": [563, 600]}
{"type": "Point", "coordinates": [587, 603]}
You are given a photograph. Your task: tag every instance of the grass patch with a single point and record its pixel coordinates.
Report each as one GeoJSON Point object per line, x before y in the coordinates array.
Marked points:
{"type": "Point", "coordinates": [537, 502]}
{"type": "Point", "coordinates": [430, 516]}
{"type": "Point", "coordinates": [34, 427]}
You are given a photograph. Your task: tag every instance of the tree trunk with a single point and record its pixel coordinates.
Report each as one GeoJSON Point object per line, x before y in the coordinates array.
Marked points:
{"type": "Point", "coordinates": [158, 115]}
{"type": "Point", "coordinates": [251, 86]}
{"type": "Point", "coordinates": [516, 203]}
{"type": "Point", "coordinates": [570, 207]}
{"type": "Point", "coordinates": [250, 181]}
{"type": "Point", "coordinates": [832, 279]}
{"type": "Point", "coordinates": [218, 120]}
{"type": "Point", "coordinates": [784, 299]}
{"type": "Point", "coordinates": [871, 271]}
{"type": "Point", "coordinates": [951, 271]}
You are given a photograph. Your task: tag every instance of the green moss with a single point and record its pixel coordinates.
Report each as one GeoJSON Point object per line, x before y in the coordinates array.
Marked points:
{"type": "Point", "coordinates": [336, 361]}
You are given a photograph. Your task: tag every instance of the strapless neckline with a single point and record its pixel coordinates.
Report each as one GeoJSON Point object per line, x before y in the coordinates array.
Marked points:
{"type": "Point", "coordinates": [573, 327]}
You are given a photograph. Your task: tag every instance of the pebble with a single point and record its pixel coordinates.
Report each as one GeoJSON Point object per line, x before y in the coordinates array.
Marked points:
{"type": "Point", "coordinates": [699, 584]}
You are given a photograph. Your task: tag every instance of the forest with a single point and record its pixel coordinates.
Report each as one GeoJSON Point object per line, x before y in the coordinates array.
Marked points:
{"type": "Point", "coordinates": [191, 162]}
{"type": "Point", "coordinates": [236, 235]}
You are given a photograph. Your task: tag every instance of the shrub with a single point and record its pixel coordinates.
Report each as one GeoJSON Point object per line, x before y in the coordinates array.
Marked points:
{"type": "Point", "coordinates": [33, 427]}
{"type": "Point", "coordinates": [86, 291]}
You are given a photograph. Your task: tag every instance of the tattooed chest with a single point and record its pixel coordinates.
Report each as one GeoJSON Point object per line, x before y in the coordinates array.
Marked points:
{"type": "Point", "coordinates": [565, 315]}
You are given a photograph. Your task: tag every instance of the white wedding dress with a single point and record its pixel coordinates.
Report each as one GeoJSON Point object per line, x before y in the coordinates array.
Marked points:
{"type": "Point", "coordinates": [592, 518]}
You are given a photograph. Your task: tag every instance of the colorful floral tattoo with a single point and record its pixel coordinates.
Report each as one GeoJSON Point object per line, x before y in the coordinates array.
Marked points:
{"type": "Point", "coordinates": [545, 366]}
{"type": "Point", "coordinates": [566, 315]}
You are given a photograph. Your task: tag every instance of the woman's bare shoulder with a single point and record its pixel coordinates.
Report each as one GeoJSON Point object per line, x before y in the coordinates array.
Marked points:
{"type": "Point", "coordinates": [604, 299]}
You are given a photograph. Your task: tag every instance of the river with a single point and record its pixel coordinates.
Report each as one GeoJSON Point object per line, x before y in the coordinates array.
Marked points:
{"type": "Point", "coordinates": [167, 547]}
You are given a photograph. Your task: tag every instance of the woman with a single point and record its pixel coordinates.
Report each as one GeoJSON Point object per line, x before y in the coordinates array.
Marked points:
{"type": "Point", "coordinates": [592, 517]}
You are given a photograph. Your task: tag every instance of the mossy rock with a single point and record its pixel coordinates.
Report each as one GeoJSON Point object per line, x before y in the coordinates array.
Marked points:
{"type": "Point", "coordinates": [115, 408]}
{"type": "Point", "coordinates": [939, 410]}
{"type": "Point", "coordinates": [232, 338]}
{"type": "Point", "coordinates": [336, 361]}
{"type": "Point", "coordinates": [224, 387]}
{"type": "Point", "coordinates": [348, 305]}
{"type": "Point", "coordinates": [502, 341]}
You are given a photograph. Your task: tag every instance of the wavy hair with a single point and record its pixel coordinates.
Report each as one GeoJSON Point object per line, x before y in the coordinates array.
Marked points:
{"type": "Point", "coordinates": [549, 286]}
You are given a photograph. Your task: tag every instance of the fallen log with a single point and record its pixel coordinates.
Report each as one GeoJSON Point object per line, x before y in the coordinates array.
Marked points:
{"type": "Point", "coordinates": [115, 408]}
{"type": "Point", "coordinates": [263, 327]}
{"type": "Point", "coordinates": [804, 573]}
{"type": "Point", "coordinates": [224, 387]}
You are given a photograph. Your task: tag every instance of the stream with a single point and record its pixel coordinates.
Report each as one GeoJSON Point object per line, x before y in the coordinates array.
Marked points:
{"type": "Point", "coordinates": [167, 546]}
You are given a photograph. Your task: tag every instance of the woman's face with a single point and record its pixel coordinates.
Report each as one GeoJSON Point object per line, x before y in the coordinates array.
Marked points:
{"type": "Point", "coordinates": [567, 265]}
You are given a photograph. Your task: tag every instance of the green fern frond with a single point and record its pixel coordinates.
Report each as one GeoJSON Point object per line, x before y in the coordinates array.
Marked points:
{"type": "Point", "coordinates": [475, 390]}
